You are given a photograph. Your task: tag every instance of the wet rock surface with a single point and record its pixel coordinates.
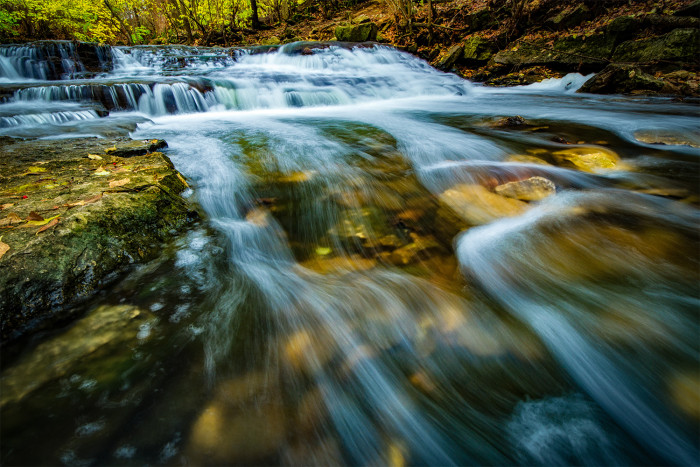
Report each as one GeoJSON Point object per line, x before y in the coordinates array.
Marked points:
{"type": "Point", "coordinates": [75, 215]}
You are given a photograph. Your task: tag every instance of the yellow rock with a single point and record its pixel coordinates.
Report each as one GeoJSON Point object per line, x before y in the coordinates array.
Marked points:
{"type": "Point", "coordinates": [339, 264]}
{"type": "Point", "coordinates": [243, 424]}
{"type": "Point", "coordinates": [530, 189]}
{"type": "Point", "coordinates": [298, 177]}
{"type": "Point", "coordinates": [685, 391]}
{"type": "Point", "coordinates": [526, 159]}
{"type": "Point", "coordinates": [667, 137]}
{"type": "Point", "coordinates": [476, 205]}
{"type": "Point", "coordinates": [308, 352]}
{"type": "Point", "coordinates": [588, 159]}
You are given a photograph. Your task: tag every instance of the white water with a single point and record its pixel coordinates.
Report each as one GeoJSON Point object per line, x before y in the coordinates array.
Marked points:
{"type": "Point", "coordinates": [409, 362]}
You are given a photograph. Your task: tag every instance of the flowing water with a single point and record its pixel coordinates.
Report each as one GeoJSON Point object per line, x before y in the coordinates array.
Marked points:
{"type": "Point", "coordinates": [358, 293]}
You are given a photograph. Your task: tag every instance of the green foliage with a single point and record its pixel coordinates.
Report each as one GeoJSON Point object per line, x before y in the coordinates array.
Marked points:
{"type": "Point", "coordinates": [133, 21]}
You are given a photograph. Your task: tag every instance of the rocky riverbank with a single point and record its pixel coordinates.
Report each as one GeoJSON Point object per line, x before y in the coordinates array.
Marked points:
{"type": "Point", "coordinates": [76, 214]}
{"type": "Point", "coordinates": [647, 48]}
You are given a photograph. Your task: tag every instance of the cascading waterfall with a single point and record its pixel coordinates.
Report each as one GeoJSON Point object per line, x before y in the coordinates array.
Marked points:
{"type": "Point", "coordinates": [360, 294]}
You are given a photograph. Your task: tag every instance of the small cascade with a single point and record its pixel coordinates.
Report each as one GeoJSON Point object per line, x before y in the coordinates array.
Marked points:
{"type": "Point", "coordinates": [53, 60]}
{"type": "Point", "coordinates": [386, 271]}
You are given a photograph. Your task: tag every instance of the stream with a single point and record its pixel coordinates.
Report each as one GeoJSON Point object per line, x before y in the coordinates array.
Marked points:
{"type": "Point", "coordinates": [358, 294]}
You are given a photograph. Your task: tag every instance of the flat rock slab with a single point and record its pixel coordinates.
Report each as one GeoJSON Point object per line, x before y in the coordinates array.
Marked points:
{"type": "Point", "coordinates": [75, 213]}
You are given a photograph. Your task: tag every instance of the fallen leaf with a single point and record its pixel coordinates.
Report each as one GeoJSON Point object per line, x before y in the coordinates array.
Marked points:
{"type": "Point", "coordinates": [36, 170]}
{"type": "Point", "coordinates": [48, 226]}
{"type": "Point", "coordinates": [7, 205]}
{"type": "Point", "coordinates": [94, 157]}
{"type": "Point", "coordinates": [102, 172]}
{"type": "Point", "coordinates": [39, 223]}
{"type": "Point", "coordinates": [4, 248]}
{"type": "Point", "coordinates": [12, 218]}
{"type": "Point", "coordinates": [116, 183]}
{"type": "Point", "coordinates": [34, 216]}
{"type": "Point", "coordinates": [323, 251]}
{"type": "Point", "coordinates": [82, 202]}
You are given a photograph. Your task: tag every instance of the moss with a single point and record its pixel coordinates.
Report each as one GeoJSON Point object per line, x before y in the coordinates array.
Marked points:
{"type": "Point", "coordinates": [678, 45]}
{"type": "Point", "coordinates": [106, 223]}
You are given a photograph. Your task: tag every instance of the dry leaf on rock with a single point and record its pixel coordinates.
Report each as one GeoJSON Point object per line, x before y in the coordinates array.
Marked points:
{"type": "Point", "coordinates": [117, 183]}
{"type": "Point", "coordinates": [94, 157]}
{"type": "Point", "coordinates": [4, 248]}
{"type": "Point", "coordinates": [48, 226]}
{"type": "Point", "coordinates": [83, 202]}
{"type": "Point", "coordinates": [12, 218]}
{"type": "Point", "coordinates": [34, 216]}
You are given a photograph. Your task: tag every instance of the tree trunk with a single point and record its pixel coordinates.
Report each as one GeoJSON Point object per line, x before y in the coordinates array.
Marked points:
{"type": "Point", "coordinates": [122, 26]}
{"type": "Point", "coordinates": [254, 19]}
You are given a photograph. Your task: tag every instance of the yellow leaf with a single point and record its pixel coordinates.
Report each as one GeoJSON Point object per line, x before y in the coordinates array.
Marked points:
{"type": "Point", "coordinates": [116, 183]}
{"type": "Point", "coordinates": [94, 157]}
{"type": "Point", "coordinates": [39, 223]}
{"type": "Point", "coordinates": [323, 251]}
{"type": "Point", "coordinates": [4, 248]}
{"type": "Point", "coordinates": [101, 172]}
{"type": "Point", "coordinates": [36, 170]}
{"type": "Point", "coordinates": [113, 148]}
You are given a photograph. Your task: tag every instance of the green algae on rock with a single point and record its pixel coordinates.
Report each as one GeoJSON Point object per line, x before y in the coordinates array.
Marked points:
{"type": "Point", "coordinates": [109, 212]}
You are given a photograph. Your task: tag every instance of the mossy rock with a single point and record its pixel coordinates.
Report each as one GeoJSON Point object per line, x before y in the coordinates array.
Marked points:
{"type": "Point", "coordinates": [570, 17]}
{"type": "Point", "coordinates": [680, 45]}
{"type": "Point", "coordinates": [568, 53]}
{"type": "Point", "coordinates": [101, 213]}
{"type": "Point", "coordinates": [356, 32]}
{"type": "Point", "coordinates": [623, 79]}
{"type": "Point", "coordinates": [478, 50]}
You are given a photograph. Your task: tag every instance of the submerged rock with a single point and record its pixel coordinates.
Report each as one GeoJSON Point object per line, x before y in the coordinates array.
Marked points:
{"type": "Point", "coordinates": [107, 330]}
{"type": "Point", "coordinates": [666, 137]}
{"type": "Point", "coordinates": [477, 205]}
{"type": "Point", "coordinates": [588, 159]}
{"type": "Point", "coordinates": [84, 216]}
{"type": "Point", "coordinates": [530, 189]}
{"type": "Point", "coordinates": [243, 424]}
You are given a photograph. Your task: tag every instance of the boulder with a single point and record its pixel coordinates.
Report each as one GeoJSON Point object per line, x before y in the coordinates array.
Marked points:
{"type": "Point", "coordinates": [567, 53]}
{"type": "Point", "coordinates": [476, 205]}
{"type": "Point", "coordinates": [680, 45]}
{"type": "Point", "coordinates": [480, 20]}
{"type": "Point", "coordinates": [454, 54]}
{"type": "Point", "coordinates": [624, 79]}
{"type": "Point", "coordinates": [530, 189]}
{"type": "Point", "coordinates": [78, 216]}
{"type": "Point", "coordinates": [569, 18]}
{"type": "Point", "coordinates": [357, 32]}
{"type": "Point", "coordinates": [478, 50]}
